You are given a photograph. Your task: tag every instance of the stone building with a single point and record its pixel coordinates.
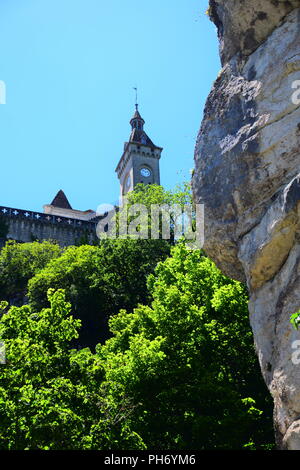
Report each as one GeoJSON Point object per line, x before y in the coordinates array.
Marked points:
{"type": "Point", "coordinates": [139, 163]}
{"type": "Point", "coordinates": [58, 222]}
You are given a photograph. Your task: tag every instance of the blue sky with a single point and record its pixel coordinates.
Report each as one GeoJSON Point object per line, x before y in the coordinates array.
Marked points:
{"type": "Point", "coordinates": [70, 67]}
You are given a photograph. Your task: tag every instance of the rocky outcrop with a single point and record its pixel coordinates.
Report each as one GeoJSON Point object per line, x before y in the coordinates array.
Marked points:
{"type": "Point", "coordinates": [244, 25]}
{"type": "Point", "coordinates": [247, 173]}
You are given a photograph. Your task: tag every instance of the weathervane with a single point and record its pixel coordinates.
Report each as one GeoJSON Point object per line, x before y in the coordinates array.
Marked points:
{"type": "Point", "coordinates": [136, 97]}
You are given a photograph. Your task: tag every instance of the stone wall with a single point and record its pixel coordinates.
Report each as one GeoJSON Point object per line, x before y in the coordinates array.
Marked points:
{"type": "Point", "coordinates": [247, 164]}
{"type": "Point", "coordinates": [26, 226]}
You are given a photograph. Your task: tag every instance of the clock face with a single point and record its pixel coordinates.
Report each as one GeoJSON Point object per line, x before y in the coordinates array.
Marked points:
{"type": "Point", "coordinates": [145, 172]}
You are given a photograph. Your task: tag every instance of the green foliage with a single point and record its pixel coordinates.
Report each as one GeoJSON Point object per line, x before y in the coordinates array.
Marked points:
{"type": "Point", "coordinates": [295, 320]}
{"type": "Point", "coordinates": [155, 194]}
{"type": "Point", "coordinates": [179, 374]}
{"type": "Point", "coordinates": [19, 262]}
{"type": "Point", "coordinates": [99, 281]}
{"type": "Point", "coordinates": [148, 196]}
{"type": "Point", "coordinates": [188, 361]}
{"type": "Point", "coordinates": [51, 397]}
{"type": "Point", "coordinates": [85, 239]}
{"type": "Point", "coordinates": [178, 371]}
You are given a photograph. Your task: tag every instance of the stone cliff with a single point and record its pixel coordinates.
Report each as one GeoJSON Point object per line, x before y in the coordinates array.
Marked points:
{"type": "Point", "coordinates": [247, 173]}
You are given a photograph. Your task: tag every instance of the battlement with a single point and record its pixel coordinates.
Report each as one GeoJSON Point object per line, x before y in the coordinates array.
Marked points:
{"type": "Point", "coordinates": [26, 226]}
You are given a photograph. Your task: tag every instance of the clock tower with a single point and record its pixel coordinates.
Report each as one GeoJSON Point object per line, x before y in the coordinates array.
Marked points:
{"type": "Point", "coordinates": [140, 160]}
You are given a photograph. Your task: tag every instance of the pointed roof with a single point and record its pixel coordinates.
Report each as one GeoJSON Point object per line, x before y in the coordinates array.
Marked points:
{"type": "Point", "coordinates": [140, 137]}
{"type": "Point", "coordinates": [137, 136]}
{"type": "Point", "coordinates": [137, 133]}
{"type": "Point", "coordinates": [137, 115]}
{"type": "Point", "coordinates": [61, 201]}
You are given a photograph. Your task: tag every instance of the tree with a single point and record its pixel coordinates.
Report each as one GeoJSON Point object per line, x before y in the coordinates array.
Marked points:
{"type": "Point", "coordinates": [156, 194]}
{"type": "Point", "coordinates": [178, 371]}
{"type": "Point", "coordinates": [99, 281]}
{"type": "Point", "coordinates": [188, 361]}
{"type": "Point", "coordinates": [51, 397]}
{"type": "Point", "coordinates": [19, 262]}
{"type": "Point", "coordinates": [140, 205]}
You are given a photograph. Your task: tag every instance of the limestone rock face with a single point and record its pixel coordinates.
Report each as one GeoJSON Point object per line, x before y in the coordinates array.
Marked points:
{"type": "Point", "coordinates": [244, 25]}
{"type": "Point", "coordinates": [247, 174]}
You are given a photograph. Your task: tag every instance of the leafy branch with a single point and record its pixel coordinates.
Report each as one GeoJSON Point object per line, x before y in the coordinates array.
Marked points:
{"type": "Point", "coordinates": [295, 320]}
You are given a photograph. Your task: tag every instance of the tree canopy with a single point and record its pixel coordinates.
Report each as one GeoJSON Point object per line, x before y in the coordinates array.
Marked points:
{"type": "Point", "coordinates": [188, 361]}
{"type": "Point", "coordinates": [19, 262]}
{"type": "Point", "coordinates": [51, 397]}
{"type": "Point", "coordinates": [171, 363]}
{"type": "Point", "coordinates": [99, 281]}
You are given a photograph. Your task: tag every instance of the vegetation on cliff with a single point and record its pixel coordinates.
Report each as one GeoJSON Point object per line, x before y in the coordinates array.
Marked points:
{"type": "Point", "coordinates": [175, 370]}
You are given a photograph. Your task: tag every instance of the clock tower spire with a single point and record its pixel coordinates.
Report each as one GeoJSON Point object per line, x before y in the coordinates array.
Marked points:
{"type": "Point", "coordinates": [139, 162]}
